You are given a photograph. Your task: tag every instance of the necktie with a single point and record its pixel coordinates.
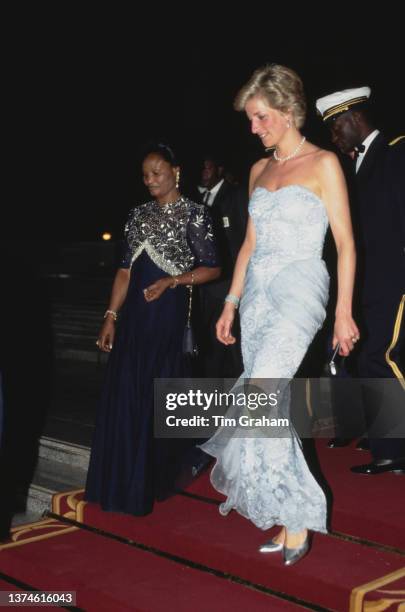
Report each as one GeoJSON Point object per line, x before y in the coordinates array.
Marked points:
{"type": "Point", "coordinates": [207, 195]}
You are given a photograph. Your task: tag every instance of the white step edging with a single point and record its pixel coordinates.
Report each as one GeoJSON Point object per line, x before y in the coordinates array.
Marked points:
{"type": "Point", "coordinates": [74, 455]}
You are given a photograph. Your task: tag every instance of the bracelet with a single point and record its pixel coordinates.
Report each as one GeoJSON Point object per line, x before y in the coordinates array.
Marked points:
{"type": "Point", "coordinates": [113, 313]}
{"type": "Point", "coordinates": [232, 299]}
{"type": "Point", "coordinates": [174, 283]}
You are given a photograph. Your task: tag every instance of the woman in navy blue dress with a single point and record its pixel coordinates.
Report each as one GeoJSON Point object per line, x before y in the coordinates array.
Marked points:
{"type": "Point", "coordinates": [169, 246]}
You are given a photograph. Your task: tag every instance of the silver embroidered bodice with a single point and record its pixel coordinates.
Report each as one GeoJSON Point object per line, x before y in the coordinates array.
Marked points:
{"type": "Point", "coordinates": [177, 237]}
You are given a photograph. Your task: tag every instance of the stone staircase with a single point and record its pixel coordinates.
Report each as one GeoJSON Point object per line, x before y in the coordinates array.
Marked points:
{"type": "Point", "coordinates": [62, 466]}
{"type": "Point", "coordinates": [77, 307]}
{"type": "Point", "coordinates": [76, 327]}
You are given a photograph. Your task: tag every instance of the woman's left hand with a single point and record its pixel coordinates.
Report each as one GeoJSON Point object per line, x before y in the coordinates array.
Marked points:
{"type": "Point", "coordinates": [153, 292]}
{"type": "Point", "coordinates": [346, 333]}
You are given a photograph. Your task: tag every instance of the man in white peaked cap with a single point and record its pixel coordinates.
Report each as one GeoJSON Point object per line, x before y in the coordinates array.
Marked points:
{"type": "Point", "coordinates": [379, 223]}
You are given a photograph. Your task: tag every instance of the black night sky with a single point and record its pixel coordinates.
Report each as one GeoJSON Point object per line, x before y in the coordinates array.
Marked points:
{"type": "Point", "coordinates": [89, 90]}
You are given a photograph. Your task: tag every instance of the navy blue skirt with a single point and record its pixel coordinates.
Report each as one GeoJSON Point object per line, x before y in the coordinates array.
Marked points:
{"type": "Point", "coordinates": [129, 468]}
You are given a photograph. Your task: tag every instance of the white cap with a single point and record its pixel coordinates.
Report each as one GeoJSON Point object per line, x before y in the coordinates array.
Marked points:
{"type": "Point", "coordinates": [341, 101]}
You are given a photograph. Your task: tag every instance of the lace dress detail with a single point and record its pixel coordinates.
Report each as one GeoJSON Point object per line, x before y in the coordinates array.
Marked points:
{"type": "Point", "coordinates": [266, 479]}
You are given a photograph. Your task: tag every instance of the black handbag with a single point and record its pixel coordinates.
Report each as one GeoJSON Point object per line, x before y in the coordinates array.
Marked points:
{"type": "Point", "coordinates": [190, 347]}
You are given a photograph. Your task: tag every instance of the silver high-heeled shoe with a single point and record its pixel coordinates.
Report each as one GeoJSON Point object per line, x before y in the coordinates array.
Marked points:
{"type": "Point", "coordinates": [223, 509]}
{"type": "Point", "coordinates": [292, 555]}
{"type": "Point", "coordinates": [271, 547]}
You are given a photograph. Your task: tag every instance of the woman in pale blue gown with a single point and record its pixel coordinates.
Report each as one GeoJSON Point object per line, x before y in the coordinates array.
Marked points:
{"type": "Point", "coordinates": [282, 285]}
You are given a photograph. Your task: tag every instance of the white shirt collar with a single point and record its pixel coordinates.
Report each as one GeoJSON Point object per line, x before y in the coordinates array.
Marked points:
{"type": "Point", "coordinates": [366, 142]}
{"type": "Point", "coordinates": [213, 191]}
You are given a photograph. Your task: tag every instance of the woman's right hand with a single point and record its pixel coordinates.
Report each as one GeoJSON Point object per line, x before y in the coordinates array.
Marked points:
{"type": "Point", "coordinates": [224, 325]}
{"type": "Point", "coordinates": [106, 336]}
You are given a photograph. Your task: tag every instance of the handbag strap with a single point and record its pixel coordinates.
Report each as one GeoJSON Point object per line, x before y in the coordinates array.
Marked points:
{"type": "Point", "coordinates": [190, 301]}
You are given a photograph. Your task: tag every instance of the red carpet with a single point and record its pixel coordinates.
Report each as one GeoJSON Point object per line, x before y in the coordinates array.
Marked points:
{"type": "Point", "coordinates": [111, 576]}
{"type": "Point", "coordinates": [194, 530]}
{"type": "Point", "coordinates": [196, 559]}
{"type": "Point", "coordinates": [369, 507]}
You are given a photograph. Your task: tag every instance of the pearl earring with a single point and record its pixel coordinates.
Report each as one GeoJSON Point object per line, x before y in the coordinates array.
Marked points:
{"type": "Point", "coordinates": [288, 123]}
{"type": "Point", "coordinates": [177, 180]}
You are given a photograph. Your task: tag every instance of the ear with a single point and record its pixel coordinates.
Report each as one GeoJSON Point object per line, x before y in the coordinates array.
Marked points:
{"type": "Point", "coordinates": [289, 117]}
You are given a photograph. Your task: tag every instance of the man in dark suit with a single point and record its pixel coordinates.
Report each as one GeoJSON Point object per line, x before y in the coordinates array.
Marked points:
{"type": "Point", "coordinates": [379, 225]}
{"type": "Point", "coordinates": [228, 204]}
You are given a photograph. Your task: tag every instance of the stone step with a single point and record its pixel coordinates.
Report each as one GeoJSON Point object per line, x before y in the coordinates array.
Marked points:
{"type": "Point", "coordinates": [78, 340]}
{"type": "Point", "coordinates": [56, 476]}
{"type": "Point", "coordinates": [65, 318]}
{"type": "Point", "coordinates": [79, 312]}
{"type": "Point", "coordinates": [75, 312]}
{"type": "Point", "coordinates": [85, 335]}
{"type": "Point", "coordinates": [62, 466]}
{"type": "Point", "coordinates": [37, 503]}
{"type": "Point", "coordinates": [71, 321]}
{"type": "Point", "coordinates": [76, 330]}
{"type": "Point", "coordinates": [75, 455]}
{"type": "Point", "coordinates": [76, 327]}
{"type": "Point", "coordinates": [81, 354]}
{"type": "Point", "coordinates": [82, 305]}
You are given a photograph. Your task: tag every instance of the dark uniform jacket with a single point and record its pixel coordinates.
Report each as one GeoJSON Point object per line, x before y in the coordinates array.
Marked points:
{"type": "Point", "coordinates": [229, 213]}
{"type": "Point", "coordinates": [379, 217]}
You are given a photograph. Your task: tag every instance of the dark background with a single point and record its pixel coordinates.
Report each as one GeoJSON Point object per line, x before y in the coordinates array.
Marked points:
{"type": "Point", "coordinates": [87, 89]}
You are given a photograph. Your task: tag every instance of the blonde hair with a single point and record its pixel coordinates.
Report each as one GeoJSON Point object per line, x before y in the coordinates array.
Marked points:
{"type": "Point", "coordinates": [280, 87]}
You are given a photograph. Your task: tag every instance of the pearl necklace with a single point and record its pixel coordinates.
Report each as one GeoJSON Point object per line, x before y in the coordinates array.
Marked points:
{"type": "Point", "coordinates": [293, 154]}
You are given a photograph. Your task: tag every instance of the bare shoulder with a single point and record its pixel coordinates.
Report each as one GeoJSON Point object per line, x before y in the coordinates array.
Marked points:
{"type": "Point", "coordinates": [255, 171]}
{"type": "Point", "coordinates": [326, 166]}
{"type": "Point", "coordinates": [317, 157]}
{"type": "Point", "coordinates": [327, 159]}
{"type": "Point", "coordinates": [258, 167]}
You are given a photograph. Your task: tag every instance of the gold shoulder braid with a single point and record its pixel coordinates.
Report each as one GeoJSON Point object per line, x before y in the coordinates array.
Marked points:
{"type": "Point", "coordinates": [396, 140]}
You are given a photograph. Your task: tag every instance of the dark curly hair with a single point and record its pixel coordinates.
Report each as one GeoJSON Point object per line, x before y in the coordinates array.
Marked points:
{"type": "Point", "coordinates": [162, 149]}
